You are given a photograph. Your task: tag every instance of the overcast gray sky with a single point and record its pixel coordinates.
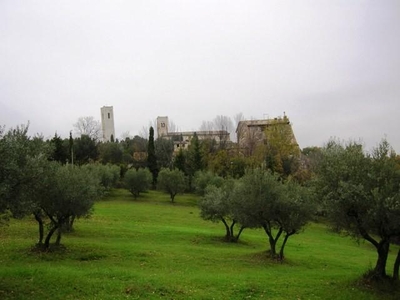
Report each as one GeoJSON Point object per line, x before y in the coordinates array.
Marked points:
{"type": "Point", "coordinates": [332, 65]}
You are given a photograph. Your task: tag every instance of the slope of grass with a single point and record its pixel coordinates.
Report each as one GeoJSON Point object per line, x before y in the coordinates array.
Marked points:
{"type": "Point", "coordinates": [150, 248]}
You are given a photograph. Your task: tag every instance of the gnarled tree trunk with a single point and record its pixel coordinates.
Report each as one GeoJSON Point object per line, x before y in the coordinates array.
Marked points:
{"type": "Point", "coordinates": [59, 232]}
{"type": "Point", "coordinates": [396, 266]}
{"type": "Point", "coordinates": [272, 240]}
{"type": "Point", "coordinates": [69, 223]}
{"type": "Point", "coordinates": [49, 235]}
{"type": "Point", "coordinates": [38, 218]}
{"type": "Point", "coordinates": [230, 235]}
{"type": "Point", "coordinates": [288, 234]}
{"type": "Point", "coordinates": [227, 229]}
{"type": "Point", "coordinates": [380, 267]}
{"type": "Point", "coordinates": [382, 248]}
{"type": "Point", "coordinates": [239, 233]}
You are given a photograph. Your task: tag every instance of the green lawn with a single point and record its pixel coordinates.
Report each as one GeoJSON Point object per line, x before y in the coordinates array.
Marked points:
{"type": "Point", "coordinates": [151, 249]}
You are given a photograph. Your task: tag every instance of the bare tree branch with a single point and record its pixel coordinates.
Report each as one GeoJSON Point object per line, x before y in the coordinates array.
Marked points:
{"type": "Point", "coordinates": [88, 126]}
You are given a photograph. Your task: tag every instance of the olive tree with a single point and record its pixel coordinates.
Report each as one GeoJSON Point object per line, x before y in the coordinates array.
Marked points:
{"type": "Point", "coordinates": [293, 211]}
{"type": "Point", "coordinates": [137, 181]}
{"type": "Point", "coordinates": [21, 167]}
{"type": "Point", "coordinates": [172, 182]}
{"type": "Point", "coordinates": [66, 192]}
{"type": "Point", "coordinates": [264, 201]}
{"type": "Point", "coordinates": [202, 179]}
{"type": "Point", "coordinates": [217, 204]}
{"type": "Point", "coordinates": [108, 175]}
{"type": "Point", "coordinates": [360, 192]}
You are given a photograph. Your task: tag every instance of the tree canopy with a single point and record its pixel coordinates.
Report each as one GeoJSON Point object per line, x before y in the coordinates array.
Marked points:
{"type": "Point", "coordinates": [65, 193]}
{"type": "Point", "coordinates": [172, 182]}
{"type": "Point", "coordinates": [218, 204]}
{"type": "Point", "coordinates": [137, 181]}
{"type": "Point", "coordinates": [279, 207]}
{"type": "Point", "coordinates": [21, 167]}
{"type": "Point", "coordinates": [361, 194]}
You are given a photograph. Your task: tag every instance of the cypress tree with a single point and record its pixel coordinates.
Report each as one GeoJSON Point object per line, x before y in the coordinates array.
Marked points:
{"type": "Point", "coordinates": [151, 157]}
{"type": "Point", "coordinates": [180, 161]}
{"type": "Point", "coordinates": [71, 148]}
{"type": "Point", "coordinates": [60, 152]}
{"type": "Point", "coordinates": [194, 162]}
{"type": "Point", "coordinates": [196, 157]}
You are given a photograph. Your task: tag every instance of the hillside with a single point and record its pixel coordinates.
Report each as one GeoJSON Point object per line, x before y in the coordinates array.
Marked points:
{"type": "Point", "coordinates": [151, 249]}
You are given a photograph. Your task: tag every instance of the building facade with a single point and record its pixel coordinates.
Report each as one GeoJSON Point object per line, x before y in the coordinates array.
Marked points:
{"type": "Point", "coordinates": [251, 133]}
{"type": "Point", "coordinates": [107, 123]}
{"type": "Point", "coordinates": [182, 139]}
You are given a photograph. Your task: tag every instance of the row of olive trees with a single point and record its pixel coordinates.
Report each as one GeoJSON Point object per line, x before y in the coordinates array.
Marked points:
{"type": "Point", "coordinates": [30, 183]}
{"type": "Point", "coordinates": [257, 200]}
{"type": "Point", "coordinates": [359, 193]}
{"type": "Point", "coordinates": [170, 181]}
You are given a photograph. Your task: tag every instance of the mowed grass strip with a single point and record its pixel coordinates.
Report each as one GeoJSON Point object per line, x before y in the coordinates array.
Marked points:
{"type": "Point", "coordinates": [150, 248]}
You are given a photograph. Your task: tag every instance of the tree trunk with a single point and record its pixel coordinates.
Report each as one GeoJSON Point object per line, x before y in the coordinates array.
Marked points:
{"type": "Point", "coordinates": [272, 240]}
{"type": "Point", "coordinates": [70, 223]}
{"type": "Point", "coordinates": [281, 256]}
{"type": "Point", "coordinates": [396, 266]}
{"type": "Point", "coordinates": [59, 231]}
{"type": "Point", "coordinates": [380, 268]}
{"type": "Point", "coordinates": [49, 235]}
{"type": "Point", "coordinates": [227, 229]}
{"type": "Point", "coordinates": [233, 239]}
{"type": "Point", "coordinates": [38, 218]}
{"type": "Point", "coordinates": [239, 233]}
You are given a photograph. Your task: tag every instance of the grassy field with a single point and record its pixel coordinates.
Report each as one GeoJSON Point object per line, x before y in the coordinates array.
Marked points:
{"type": "Point", "coordinates": [151, 249]}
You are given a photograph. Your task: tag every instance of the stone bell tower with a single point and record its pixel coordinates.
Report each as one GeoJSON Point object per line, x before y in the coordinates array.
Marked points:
{"type": "Point", "coordinates": [107, 123]}
{"type": "Point", "coordinates": [162, 126]}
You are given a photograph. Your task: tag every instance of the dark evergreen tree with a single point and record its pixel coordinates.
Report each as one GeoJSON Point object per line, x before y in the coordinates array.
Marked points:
{"type": "Point", "coordinates": [71, 148]}
{"type": "Point", "coordinates": [111, 153]}
{"type": "Point", "coordinates": [196, 159]}
{"type": "Point", "coordinates": [151, 157]}
{"type": "Point", "coordinates": [85, 149]}
{"type": "Point", "coordinates": [194, 162]}
{"type": "Point", "coordinates": [180, 161]}
{"type": "Point", "coordinates": [60, 152]}
{"type": "Point", "coordinates": [164, 151]}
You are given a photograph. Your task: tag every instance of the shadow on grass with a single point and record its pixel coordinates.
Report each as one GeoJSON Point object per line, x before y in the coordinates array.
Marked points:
{"type": "Point", "coordinates": [61, 252]}
{"type": "Point", "coordinates": [153, 197]}
{"type": "Point", "coordinates": [384, 288]}
{"type": "Point", "coordinates": [265, 258]}
{"type": "Point", "coordinates": [204, 239]}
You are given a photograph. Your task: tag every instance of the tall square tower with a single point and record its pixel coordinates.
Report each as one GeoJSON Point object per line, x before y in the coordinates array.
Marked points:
{"type": "Point", "coordinates": [107, 123]}
{"type": "Point", "coordinates": [162, 126]}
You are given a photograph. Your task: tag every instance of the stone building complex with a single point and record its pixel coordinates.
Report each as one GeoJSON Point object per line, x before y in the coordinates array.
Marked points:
{"type": "Point", "coordinates": [182, 139]}
{"type": "Point", "coordinates": [250, 133]}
